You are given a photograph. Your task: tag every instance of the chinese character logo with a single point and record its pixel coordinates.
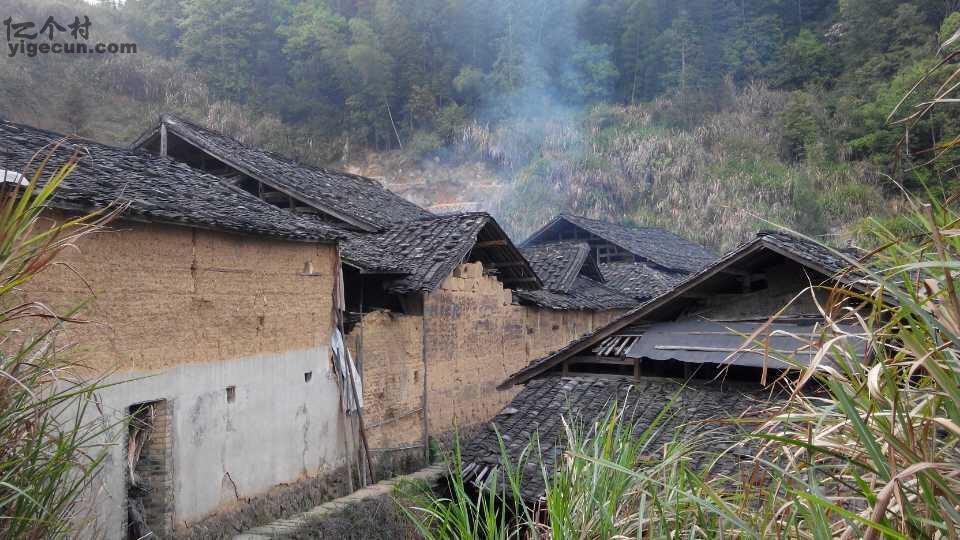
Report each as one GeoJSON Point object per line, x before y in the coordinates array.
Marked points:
{"type": "Point", "coordinates": [49, 29]}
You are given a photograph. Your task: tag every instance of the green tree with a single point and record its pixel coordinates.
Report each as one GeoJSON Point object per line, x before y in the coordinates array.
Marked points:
{"type": "Point", "coordinates": [231, 42]}
{"type": "Point", "coordinates": [154, 23]}
{"type": "Point", "coordinates": [371, 115]}
{"type": "Point", "coordinates": [683, 53]}
{"type": "Point", "coordinates": [315, 46]}
{"type": "Point", "coordinates": [804, 59]}
{"type": "Point", "coordinates": [591, 74]}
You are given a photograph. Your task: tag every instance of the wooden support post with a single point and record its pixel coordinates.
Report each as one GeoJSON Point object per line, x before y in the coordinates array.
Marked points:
{"type": "Point", "coordinates": [423, 352]}
{"type": "Point", "coordinates": [363, 430]}
{"type": "Point", "coordinates": [636, 369]}
{"type": "Point", "coordinates": [163, 139]}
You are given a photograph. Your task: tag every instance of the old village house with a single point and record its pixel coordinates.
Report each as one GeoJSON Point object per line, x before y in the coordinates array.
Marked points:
{"type": "Point", "coordinates": [701, 351]}
{"type": "Point", "coordinates": [441, 307]}
{"type": "Point", "coordinates": [224, 291]}
{"type": "Point", "coordinates": [204, 305]}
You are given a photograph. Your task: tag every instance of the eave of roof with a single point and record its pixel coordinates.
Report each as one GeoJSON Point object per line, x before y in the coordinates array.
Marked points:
{"type": "Point", "coordinates": [427, 251]}
{"type": "Point", "coordinates": [827, 262]}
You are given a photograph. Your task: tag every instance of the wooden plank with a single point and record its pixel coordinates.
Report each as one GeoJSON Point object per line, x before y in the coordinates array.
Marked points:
{"type": "Point", "coordinates": [163, 139]}
{"type": "Point", "coordinates": [627, 343]}
{"type": "Point", "coordinates": [726, 350]}
{"type": "Point", "coordinates": [490, 243]}
{"type": "Point", "coordinates": [602, 360]}
{"type": "Point", "coordinates": [611, 347]}
{"type": "Point", "coordinates": [603, 345]}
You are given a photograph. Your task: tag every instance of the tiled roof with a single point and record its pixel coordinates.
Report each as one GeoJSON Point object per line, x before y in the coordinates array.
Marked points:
{"type": "Point", "coordinates": [538, 409]}
{"type": "Point", "coordinates": [652, 244]}
{"type": "Point", "coordinates": [346, 196]}
{"type": "Point", "coordinates": [564, 268]}
{"type": "Point", "coordinates": [794, 247]}
{"type": "Point", "coordinates": [558, 264]}
{"type": "Point", "coordinates": [810, 252]}
{"type": "Point", "coordinates": [428, 249]}
{"type": "Point", "coordinates": [584, 294]}
{"type": "Point", "coordinates": [639, 280]}
{"type": "Point", "coordinates": [156, 189]}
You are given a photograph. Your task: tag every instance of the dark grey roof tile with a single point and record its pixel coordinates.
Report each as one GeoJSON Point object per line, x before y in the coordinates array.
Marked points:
{"type": "Point", "coordinates": [155, 188]}
{"type": "Point", "coordinates": [640, 280]}
{"type": "Point", "coordinates": [654, 245]}
{"type": "Point", "coordinates": [341, 194]}
{"type": "Point", "coordinates": [558, 264]}
{"type": "Point", "coordinates": [584, 294]}
{"type": "Point", "coordinates": [539, 410]}
{"type": "Point", "coordinates": [428, 249]}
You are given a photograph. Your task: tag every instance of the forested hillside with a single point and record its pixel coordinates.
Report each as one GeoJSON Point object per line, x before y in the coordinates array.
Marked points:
{"type": "Point", "coordinates": [703, 116]}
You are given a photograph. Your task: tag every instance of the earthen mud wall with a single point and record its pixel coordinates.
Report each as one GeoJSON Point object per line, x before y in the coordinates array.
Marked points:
{"type": "Point", "coordinates": [475, 337]}
{"type": "Point", "coordinates": [159, 296]}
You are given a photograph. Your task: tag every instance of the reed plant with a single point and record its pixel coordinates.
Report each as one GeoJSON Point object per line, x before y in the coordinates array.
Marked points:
{"type": "Point", "coordinates": [50, 434]}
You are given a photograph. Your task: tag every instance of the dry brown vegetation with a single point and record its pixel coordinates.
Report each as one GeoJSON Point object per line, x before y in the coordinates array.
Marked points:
{"type": "Point", "coordinates": [716, 181]}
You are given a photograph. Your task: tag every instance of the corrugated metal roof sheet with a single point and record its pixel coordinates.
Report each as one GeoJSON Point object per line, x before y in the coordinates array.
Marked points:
{"type": "Point", "coordinates": [778, 345]}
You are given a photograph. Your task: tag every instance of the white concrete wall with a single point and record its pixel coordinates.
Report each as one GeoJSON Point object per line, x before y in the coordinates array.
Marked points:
{"type": "Point", "coordinates": [279, 429]}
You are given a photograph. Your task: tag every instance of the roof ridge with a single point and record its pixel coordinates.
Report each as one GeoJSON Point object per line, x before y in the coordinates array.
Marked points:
{"type": "Point", "coordinates": [451, 215]}
{"type": "Point", "coordinates": [617, 223]}
{"type": "Point", "coordinates": [569, 242]}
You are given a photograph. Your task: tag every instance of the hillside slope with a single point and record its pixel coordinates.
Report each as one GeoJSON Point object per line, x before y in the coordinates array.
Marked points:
{"type": "Point", "coordinates": [716, 182]}
{"type": "Point", "coordinates": [709, 118]}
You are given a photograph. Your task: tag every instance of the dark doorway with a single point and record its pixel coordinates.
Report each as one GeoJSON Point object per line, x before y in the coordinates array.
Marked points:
{"type": "Point", "coordinates": [149, 471]}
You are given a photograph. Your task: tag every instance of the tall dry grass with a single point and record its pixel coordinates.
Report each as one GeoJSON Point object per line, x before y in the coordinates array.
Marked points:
{"type": "Point", "coordinates": [49, 447]}
{"type": "Point", "coordinates": [714, 181]}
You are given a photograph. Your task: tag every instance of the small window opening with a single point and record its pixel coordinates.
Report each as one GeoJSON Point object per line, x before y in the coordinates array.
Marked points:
{"type": "Point", "coordinates": [231, 394]}
{"type": "Point", "coordinates": [307, 376]}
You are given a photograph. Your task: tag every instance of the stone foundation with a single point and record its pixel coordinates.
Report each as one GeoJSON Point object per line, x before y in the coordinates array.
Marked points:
{"type": "Point", "coordinates": [279, 502]}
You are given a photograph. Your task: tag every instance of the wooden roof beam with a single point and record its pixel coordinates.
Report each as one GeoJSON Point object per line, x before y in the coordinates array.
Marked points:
{"type": "Point", "coordinates": [490, 243]}
{"type": "Point", "coordinates": [511, 264]}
